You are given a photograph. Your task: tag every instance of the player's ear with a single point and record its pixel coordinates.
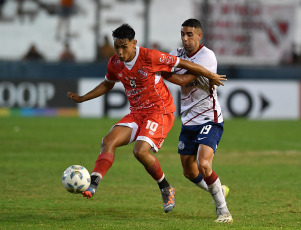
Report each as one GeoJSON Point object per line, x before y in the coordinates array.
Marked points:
{"type": "Point", "coordinates": [201, 35]}
{"type": "Point", "coordinates": [134, 42]}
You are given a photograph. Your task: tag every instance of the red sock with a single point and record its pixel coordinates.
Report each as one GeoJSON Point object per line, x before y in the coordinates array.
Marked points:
{"type": "Point", "coordinates": [211, 179]}
{"type": "Point", "coordinates": [155, 171]}
{"type": "Point", "coordinates": [103, 163]}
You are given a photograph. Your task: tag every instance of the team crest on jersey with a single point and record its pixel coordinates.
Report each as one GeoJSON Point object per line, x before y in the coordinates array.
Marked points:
{"type": "Point", "coordinates": [120, 75]}
{"type": "Point", "coordinates": [143, 73]}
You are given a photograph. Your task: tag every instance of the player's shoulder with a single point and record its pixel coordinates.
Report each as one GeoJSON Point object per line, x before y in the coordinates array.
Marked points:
{"type": "Point", "coordinates": [114, 64]}
{"type": "Point", "coordinates": [206, 51]}
{"type": "Point", "coordinates": [205, 55]}
{"type": "Point", "coordinates": [145, 53]}
{"type": "Point", "coordinates": [179, 52]}
{"type": "Point", "coordinates": [114, 60]}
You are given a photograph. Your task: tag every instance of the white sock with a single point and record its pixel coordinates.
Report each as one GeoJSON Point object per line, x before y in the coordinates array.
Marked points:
{"type": "Point", "coordinates": [202, 184]}
{"type": "Point", "coordinates": [216, 192]}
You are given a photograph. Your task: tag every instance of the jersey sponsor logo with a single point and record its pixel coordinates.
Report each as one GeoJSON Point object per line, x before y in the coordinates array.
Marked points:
{"type": "Point", "coordinates": [167, 59]}
{"type": "Point", "coordinates": [181, 145]}
{"type": "Point", "coordinates": [143, 73]}
{"type": "Point", "coordinates": [134, 91]}
{"type": "Point", "coordinates": [133, 83]}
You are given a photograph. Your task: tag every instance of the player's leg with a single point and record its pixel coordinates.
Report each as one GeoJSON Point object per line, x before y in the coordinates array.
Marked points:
{"type": "Point", "coordinates": [150, 163]}
{"type": "Point", "coordinates": [209, 138]}
{"type": "Point", "coordinates": [187, 149]}
{"type": "Point", "coordinates": [205, 157]}
{"type": "Point", "coordinates": [191, 171]}
{"type": "Point", "coordinates": [153, 167]}
{"type": "Point", "coordinates": [153, 130]}
{"type": "Point", "coordinates": [118, 136]}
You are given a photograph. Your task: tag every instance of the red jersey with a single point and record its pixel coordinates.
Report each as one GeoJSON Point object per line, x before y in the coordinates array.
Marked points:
{"type": "Point", "coordinates": [142, 81]}
{"type": "Point", "coordinates": [67, 3]}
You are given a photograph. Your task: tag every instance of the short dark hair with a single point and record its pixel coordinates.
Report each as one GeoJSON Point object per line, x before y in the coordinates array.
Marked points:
{"type": "Point", "coordinates": [192, 23]}
{"type": "Point", "coordinates": [125, 31]}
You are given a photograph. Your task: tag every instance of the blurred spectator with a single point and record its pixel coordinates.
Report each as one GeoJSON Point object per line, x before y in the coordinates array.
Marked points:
{"type": "Point", "coordinates": [65, 12]}
{"type": "Point", "coordinates": [156, 46]}
{"type": "Point", "coordinates": [1, 7]}
{"type": "Point", "coordinates": [20, 10]}
{"type": "Point", "coordinates": [106, 50]}
{"type": "Point", "coordinates": [67, 55]}
{"type": "Point", "coordinates": [296, 53]}
{"type": "Point", "coordinates": [33, 54]}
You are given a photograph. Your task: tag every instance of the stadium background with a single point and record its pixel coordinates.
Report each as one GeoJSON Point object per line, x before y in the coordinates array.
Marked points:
{"type": "Point", "coordinates": [254, 42]}
{"type": "Point", "coordinates": [42, 132]}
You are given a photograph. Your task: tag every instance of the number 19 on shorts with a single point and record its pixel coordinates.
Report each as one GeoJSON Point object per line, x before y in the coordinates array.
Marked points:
{"type": "Point", "coordinates": [206, 129]}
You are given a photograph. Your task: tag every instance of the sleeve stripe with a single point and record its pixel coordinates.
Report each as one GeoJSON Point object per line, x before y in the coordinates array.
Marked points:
{"type": "Point", "coordinates": [177, 62]}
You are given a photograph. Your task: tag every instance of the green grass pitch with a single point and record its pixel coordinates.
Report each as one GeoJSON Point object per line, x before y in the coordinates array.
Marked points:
{"type": "Point", "coordinates": [259, 160]}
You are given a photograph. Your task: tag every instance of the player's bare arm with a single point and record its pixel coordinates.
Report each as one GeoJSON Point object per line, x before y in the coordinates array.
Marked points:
{"type": "Point", "coordinates": [178, 79]}
{"type": "Point", "coordinates": [196, 69]}
{"type": "Point", "coordinates": [99, 90]}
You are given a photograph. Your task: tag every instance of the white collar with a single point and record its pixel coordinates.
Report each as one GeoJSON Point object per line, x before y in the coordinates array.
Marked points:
{"type": "Point", "coordinates": [129, 65]}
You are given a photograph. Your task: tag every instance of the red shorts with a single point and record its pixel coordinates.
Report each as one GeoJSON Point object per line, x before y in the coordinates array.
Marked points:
{"type": "Point", "coordinates": [152, 128]}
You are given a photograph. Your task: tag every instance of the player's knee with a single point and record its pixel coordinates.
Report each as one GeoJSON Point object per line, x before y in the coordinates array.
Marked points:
{"type": "Point", "coordinates": [107, 143]}
{"type": "Point", "coordinates": [205, 168]}
{"type": "Point", "coordinates": [141, 150]}
{"type": "Point", "coordinates": [138, 153]}
{"type": "Point", "coordinates": [188, 174]}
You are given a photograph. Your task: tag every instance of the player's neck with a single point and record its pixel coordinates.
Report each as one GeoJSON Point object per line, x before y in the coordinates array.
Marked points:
{"type": "Point", "coordinates": [131, 58]}
{"type": "Point", "coordinates": [195, 51]}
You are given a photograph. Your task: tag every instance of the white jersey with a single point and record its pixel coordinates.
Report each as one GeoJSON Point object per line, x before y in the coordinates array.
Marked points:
{"type": "Point", "coordinates": [199, 103]}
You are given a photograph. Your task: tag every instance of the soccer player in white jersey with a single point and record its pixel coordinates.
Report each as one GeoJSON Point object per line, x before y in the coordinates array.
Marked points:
{"type": "Point", "coordinates": [202, 120]}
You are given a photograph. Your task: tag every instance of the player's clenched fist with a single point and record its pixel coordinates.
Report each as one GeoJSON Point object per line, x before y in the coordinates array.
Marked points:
{"type": "Point", "coordinates": [75, 97]}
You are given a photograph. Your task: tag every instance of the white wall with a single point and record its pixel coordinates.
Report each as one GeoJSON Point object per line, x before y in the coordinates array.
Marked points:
{"type": "Point", "coordinates": [252, 99]}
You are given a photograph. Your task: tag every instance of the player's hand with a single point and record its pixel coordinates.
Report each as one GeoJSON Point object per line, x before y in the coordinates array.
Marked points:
{"type": "Point", "coordinates": [217, 80]}
{"type": "Point", "coordinates": [75, 97]}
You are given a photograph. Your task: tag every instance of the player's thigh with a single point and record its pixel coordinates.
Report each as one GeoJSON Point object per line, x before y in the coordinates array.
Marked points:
{"type": "Point", "coordinates": [208, 139]}
{"type": "Point", "coordinates": [205, 158]}
{"type": "Point", "coordinates": [129, 121]}
{"type": "Point", "coordinates": [210, 135]}
{"type": "Point", "coordinates": [154, 129]}
{"type": "Point", "coordinates": [187, 144]}
{"type": "Point", "coordinates": [118, 136]}
{"type": "Point", "coordinates": [205, 155]}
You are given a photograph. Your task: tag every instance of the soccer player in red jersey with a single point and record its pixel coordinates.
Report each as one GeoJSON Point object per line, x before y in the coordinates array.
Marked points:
{"type": "Point", "coordinates": [151, 105]}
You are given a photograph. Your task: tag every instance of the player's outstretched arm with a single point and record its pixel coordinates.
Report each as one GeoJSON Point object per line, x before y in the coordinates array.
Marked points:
{"type": "Point", "coordinates": [178, 79]}
{"type": "Point", "coordinates": [199, 70]}
{"type": "Point", "coordinates": [99, 90]}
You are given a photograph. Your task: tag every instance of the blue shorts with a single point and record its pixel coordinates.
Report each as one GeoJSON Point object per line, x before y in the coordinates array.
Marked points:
{"type": "Point", "coordinates": [191, 137]}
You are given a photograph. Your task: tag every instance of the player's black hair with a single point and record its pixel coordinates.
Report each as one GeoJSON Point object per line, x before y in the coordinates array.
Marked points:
{"type": "Point", "coordinates": [125, 31]}
{"type": "Point", "coordinates": [192, 23]}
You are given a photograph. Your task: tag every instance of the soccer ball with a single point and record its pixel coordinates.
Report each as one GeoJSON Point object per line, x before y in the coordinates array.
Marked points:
{"type": "Point", "coordinates": [76, 179]}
